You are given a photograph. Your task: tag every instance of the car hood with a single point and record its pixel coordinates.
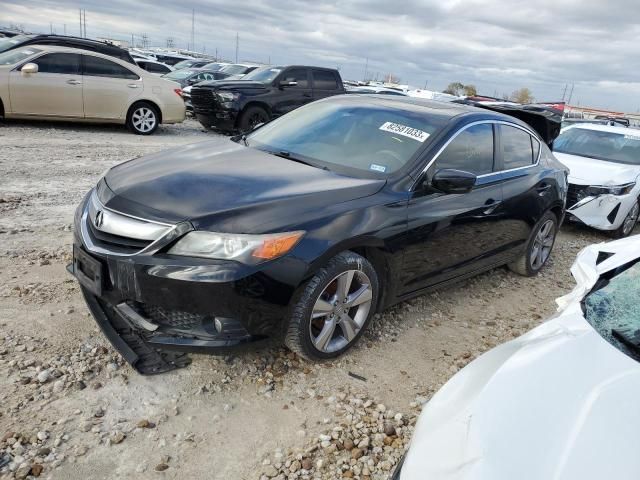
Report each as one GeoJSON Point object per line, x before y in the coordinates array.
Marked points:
{"type": "Point", "coordinates": [591, 171]}
{"type": "Point", "coordinates": [558, 403]}
{"type": "Point", "coordinates": [224, 185]}
{"type": "Point", "coordinates": [233, 85]}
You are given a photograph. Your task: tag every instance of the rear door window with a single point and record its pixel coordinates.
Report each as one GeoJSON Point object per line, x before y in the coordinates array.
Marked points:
{"type": "Point", "coordinates": [471, 150]}
{"type": "Point", "coordinates": [157, 68]}
{"type": "Point", "coordinates": [324, 80]}
{"type": "Point", "coordinates": [60, 63]}
{"type": "Point", "coordinates": [101, 67]}
{"type": "Point", "coordinates": [516, 147]}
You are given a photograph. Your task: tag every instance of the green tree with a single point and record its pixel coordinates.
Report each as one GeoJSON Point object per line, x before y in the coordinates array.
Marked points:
{"type": "Point", "coordinates": [523, 95]}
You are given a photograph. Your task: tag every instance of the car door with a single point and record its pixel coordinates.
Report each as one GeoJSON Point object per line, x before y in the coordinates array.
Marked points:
{"type": "Point", "coordinates": [109, 88]}
{"type": "Point", "coordinates": [450, 235]}
{"type": "Point", "coordinates": [528, 188]}
{"type": "Point", "coordinates": [55, 90]}
{"type": "Point", "coordinates": [289, 97]}
{"type": "Point", "coordinates": [325, 83]}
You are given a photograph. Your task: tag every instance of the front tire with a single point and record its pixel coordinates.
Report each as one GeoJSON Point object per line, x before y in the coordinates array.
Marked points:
{"type": "Point", "coordinates": [539, 247]}
{"type": "Point", "coordinates": [143, 118]}
{"type": "Point", "coordinates": [251, 117]}
{"type": "Point", "coordinates": [332, 310]}
{"type": "Point", "coordinates": [629, 222]}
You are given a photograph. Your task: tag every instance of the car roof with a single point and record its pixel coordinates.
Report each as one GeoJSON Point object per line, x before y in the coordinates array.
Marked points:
{"type": "Point", "coordinates": [602, 128]}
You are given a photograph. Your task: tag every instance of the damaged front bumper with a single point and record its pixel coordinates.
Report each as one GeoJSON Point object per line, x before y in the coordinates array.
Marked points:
{"type": "Point", "coordinates": [604, 211]}
{"type": "Point", "coordinates": [153, 306]}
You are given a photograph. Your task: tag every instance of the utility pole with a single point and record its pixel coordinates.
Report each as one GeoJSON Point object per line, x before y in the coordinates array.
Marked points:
{"type": "Point", "coordinates": [425, 84]}
{"type": "Point", "coordinates": [366, 67]}
{"type": "Point", "coordinates": [65, 28]}
{"type": "Point", "coordinates": [571, 94]}
{"type": "Point", "coordinates": [193, 28]}
{"type": "Point", "coordinates": [84, 22]}
{"type": "Point", "coordinates": [80, 22]}
{"type": "Point", "coordinates": [237, 45]}
{"type": "Point", "coordinates": [216, 57]}
{"type": "Point", "coordinates": [565, 91]}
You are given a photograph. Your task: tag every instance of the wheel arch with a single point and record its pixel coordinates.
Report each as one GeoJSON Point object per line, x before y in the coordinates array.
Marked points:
{"type": "Point", "coordinates": [1, 108]}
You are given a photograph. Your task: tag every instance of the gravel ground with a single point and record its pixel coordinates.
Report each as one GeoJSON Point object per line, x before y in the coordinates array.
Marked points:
{"type": "Point", "coordinates": [70, 408]}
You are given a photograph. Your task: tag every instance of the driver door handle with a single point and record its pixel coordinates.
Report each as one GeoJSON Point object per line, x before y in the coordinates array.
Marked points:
{"type": "Point", "coordinates": [133, 85]}
{"type": "Point", "coordinates": [490, 205]}
{"type": "Point", "coordinates": [74, 82]}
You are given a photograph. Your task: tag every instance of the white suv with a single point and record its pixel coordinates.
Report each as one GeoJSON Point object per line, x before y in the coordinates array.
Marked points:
{"type": "Point", "coordinates": [61, 83]}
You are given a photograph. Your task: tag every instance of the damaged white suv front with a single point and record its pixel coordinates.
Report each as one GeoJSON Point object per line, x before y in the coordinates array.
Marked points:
{"type": "Point", "coordinates": [604, 178]}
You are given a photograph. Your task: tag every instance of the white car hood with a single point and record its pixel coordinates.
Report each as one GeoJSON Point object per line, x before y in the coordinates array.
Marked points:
{"type": "Point", "coordinates": [590, 171]}
{"type": "Point", "coordinates": [558, 403]}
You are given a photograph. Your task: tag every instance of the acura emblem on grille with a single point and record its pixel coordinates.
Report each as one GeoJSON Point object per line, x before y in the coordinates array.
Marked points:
{"type": "Point", "coordinates": [98, 220]}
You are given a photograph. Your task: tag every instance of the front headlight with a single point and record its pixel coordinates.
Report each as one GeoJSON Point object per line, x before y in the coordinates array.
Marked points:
{"type": "Point", "coordinates": [609, 190]}
{"type": "Point", "coordinates": [227, 96]}
{"type": "Point", "coordinates": [248, 249]}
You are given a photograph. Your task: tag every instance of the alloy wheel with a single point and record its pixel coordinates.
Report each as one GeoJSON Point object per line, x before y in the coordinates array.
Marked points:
{"type": "Point", "coordinates": [256, 119]}
{"type": "Point", "coordinates": [340, 311]}
{"type": "Point", "coordinates": [542, 244]}
{"type": "Point", "coordinates": [144, 119]}
{"type": "Point", "coordinates": [631, 220]}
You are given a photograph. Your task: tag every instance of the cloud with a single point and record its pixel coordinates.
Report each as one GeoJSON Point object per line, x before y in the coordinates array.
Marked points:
{"type": "Point", "coordinates": [497, 45]}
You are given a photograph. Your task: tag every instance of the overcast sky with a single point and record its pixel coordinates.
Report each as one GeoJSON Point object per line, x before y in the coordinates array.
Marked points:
{"type": "Point", "coordinates": [497, 45]}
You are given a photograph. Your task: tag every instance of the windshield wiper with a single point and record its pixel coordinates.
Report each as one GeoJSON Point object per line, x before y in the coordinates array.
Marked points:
{"type": "Point", "coordinates": [288, 156]}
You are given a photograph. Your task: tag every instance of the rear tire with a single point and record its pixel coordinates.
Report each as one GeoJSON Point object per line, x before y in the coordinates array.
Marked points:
{"type": "Point", "coordinates": [539, 247]}
{"type": "Point", "coordinates": [251, 117]}
{"type": "Point", "coordinates": [629, 222]}
{"type": "Point", "coordinates": [322, 324]}
{"type": "Point", "coordinates": [143, 118]}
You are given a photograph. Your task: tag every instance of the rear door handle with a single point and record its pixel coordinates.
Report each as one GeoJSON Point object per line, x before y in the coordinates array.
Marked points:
{"type": "Point", "coordinates": [133, 85]}
{"type": "Point", "coordinates": [74, 82]}
{"type": "Point", "coordinates": [308, 95]}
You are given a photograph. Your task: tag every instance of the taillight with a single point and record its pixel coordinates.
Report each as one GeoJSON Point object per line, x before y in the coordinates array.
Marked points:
{"type": "Point", "coordinates": [178, 92]}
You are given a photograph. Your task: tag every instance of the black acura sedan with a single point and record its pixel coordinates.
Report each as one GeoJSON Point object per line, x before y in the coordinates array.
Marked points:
{"type": "Point", "coordinates": [307, 226]}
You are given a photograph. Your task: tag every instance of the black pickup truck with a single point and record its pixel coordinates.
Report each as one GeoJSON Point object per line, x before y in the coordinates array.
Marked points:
{"type": "Point", "coordinates": [262, 95]}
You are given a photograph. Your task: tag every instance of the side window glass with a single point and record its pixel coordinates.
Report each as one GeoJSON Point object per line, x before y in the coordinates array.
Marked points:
{"type": "Point", "coordinates": [471, 151]}
{"type": "Point", "coordinates": [100, 67]}
{"type": "Point", "coordinates": [61, 63]}
{"type": "Point", "coordinates": [297, 75]}
{"type": "Point", "coordinates": [516, 147]}
{"type": "Point", "coordinates": [536, 149]}
{"type": "Point", "coordinates": [324, 80]}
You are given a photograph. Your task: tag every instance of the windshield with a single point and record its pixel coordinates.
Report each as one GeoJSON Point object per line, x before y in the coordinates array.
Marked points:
{"type": "Point", "coordinates": [264, 74]}
{"type": "Point", "coordinates": [10, 42]}
{"type": "Point", "coordinates": [179, 74]}
{"type": "Point", "coordinates": [610, 146]}
{"type": "Point", "coordinates": [371, 137]}
{"type": "Point", "coordinates": [214, 67]}
{"type": "Point", "coordinates": [184, 64]}
{"type": "Point", "coordinates": [16, 56]}
{"type": "Point", "coordinates": [614, 311]}
{"type": "Point", "coordinates": [233, 69]}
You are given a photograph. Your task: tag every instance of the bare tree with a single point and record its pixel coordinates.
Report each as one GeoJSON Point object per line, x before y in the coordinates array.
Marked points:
{"type": "Point", "coordinates": [523, 95]}
{"type": "Point", "coordinates": [470, 90]}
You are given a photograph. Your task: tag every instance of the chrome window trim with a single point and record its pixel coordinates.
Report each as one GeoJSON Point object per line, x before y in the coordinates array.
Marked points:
{"type": "Point", "coordinates": [482, 122]}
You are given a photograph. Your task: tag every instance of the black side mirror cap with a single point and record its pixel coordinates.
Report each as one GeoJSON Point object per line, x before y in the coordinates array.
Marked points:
{"type": "Point", "coordinates": [449, 180]}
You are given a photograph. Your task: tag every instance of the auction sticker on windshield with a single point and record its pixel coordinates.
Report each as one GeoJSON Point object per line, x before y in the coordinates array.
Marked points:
{"type": "Point", "coordinates": [403, 130]}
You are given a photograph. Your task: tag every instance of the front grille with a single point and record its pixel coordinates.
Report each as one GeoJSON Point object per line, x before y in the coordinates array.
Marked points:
{"type": "Point", "coordinates": [573, 194]}
{"type": "Point", "coordinates": [169, 318]}
{"type": "Point", "coordinates": [116, 240]}
{"type": "Point", "coordinates": [203, 100]}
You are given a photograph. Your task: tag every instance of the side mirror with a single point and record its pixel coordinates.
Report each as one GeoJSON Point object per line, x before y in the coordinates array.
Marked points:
{"type": "Point", "coordinates": [29, 68]}
{"type": "Point", "coordinates": [449, 180]}
{"type": "Point", "coordinates": [288, 83]}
